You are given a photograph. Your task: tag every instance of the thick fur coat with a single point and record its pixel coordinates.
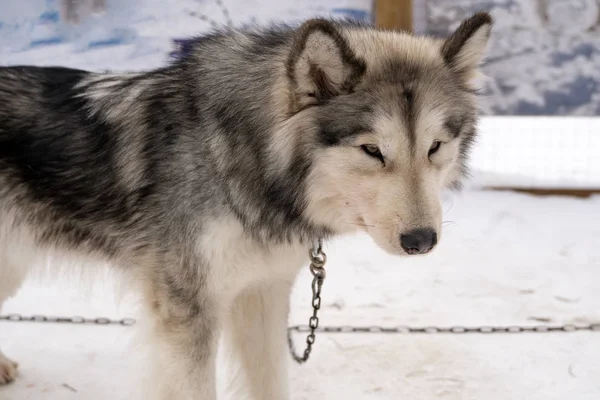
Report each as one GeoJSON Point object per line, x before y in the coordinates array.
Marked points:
{"type": "Point", "coordinates": [206, 181]}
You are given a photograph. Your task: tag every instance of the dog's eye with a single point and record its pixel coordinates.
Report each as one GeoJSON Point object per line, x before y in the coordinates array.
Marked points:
{"type": "Point", "coordinates": [434, 148]}
{"type": "Point", "coordinates": [372, 151]}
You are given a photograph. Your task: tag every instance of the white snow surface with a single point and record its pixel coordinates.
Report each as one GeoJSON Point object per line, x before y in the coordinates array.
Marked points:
{"type": "Point", "coordinates": [505, 259]}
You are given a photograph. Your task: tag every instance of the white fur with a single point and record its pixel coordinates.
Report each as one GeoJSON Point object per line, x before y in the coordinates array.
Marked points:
{"type": "Point", "coordinates": [252, 287]}
{"type": "Point", "coordinates": [240, 262]}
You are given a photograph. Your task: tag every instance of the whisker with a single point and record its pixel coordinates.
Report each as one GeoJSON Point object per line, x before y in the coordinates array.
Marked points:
{"type": "Point", "coordinates": [364, 225]}
{"type": "Point", "coordinates": [358, 224]}
{"type": "Point", "coordinates": [450, 208]}
{"type": "Point", "coordinates": [439, 210]}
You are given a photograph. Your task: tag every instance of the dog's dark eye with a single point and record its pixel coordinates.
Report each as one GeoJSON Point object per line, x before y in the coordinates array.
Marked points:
{"type": "Point", "coordinates": [434, 148]}
{"type": "Point", "coordinates": [372, 151]}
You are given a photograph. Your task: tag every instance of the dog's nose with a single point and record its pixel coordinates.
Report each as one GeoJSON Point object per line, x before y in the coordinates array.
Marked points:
{"type": "Point", "coordinates": [419, 241]}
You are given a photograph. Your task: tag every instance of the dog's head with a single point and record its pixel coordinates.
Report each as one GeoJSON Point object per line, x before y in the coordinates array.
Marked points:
{"type": "Point", "coordinates": [391, 119]}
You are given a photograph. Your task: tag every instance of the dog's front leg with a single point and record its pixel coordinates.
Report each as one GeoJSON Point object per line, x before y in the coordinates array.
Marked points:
{"type": "Point", "coordinates": [255, 331]}
{"type": "Point", "coordinates": [183, 337]}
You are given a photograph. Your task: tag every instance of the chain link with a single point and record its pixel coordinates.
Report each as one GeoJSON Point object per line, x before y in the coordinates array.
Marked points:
{"type": "Point", "coordinates": [402, 329]}
{"type": "Point", "coordinates": [317, 264]}
{"type": "Point", "coordinates": [67, 320]}
{"type": "Point", "coordinates": [453, 329]}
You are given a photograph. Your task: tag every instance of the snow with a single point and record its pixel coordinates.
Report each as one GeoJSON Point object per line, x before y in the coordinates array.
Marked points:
{"type": "Point", "coordinates": [543, 54]}
{"type": "Point", "coordinates": [504, 259]}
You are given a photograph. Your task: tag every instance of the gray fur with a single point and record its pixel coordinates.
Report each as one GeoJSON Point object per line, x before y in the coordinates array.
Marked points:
{"type": "Point", "coordinates": [139, 168]}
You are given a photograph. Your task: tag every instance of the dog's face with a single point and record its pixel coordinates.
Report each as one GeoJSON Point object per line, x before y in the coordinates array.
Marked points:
{"type": "Point", "coordinates": [394, 116]}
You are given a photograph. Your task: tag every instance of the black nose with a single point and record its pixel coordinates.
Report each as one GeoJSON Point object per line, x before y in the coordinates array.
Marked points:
{"type": "Point", "coordinates": [419, 241]}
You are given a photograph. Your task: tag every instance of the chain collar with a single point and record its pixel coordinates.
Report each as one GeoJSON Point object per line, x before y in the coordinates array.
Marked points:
{"type": "Point", "coordinates": [317, 264]}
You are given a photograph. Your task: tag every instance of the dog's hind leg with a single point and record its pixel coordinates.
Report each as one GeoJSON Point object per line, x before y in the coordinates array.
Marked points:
{"type": "Point", "coordinates": [16, 260]}
{"type": "Point", "coordinates": [11, 279]}
{"type": "Point", "coordinates": [256, 331]}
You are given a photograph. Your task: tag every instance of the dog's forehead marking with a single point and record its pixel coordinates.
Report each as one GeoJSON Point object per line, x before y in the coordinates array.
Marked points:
{"type": "Point", "coordinates": [391, 132]}
{"type": "Point", "coordinates": [379, 46]}
{"type": "Point", "coordinates": [404, 134]}
{"type": "Point", "coordinates": [413, 111]}
{"type": "Point", "coordinates": [430, 124]}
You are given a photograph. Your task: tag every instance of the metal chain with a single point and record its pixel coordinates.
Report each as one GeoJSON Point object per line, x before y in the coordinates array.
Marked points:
{"type": "Point", "coordinates": [67, 320]}
{"type": "Point", "coordinates": [402, 329]}
{"type": "Point", "coordinates": [317, 264]}
{"type": "Point", "coordinates": [453, 329]}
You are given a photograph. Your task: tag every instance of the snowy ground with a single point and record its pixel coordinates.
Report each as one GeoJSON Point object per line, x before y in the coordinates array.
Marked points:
{"type": "Point", "coordinates": [506, 259]}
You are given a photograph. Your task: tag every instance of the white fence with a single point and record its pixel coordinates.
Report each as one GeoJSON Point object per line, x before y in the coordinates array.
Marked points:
{"type": "Point", "coordinates": [538, 152]}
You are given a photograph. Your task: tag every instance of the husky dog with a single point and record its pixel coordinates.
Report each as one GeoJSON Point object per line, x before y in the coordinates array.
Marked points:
{"type": "Point", "coordinates": [206, 181]}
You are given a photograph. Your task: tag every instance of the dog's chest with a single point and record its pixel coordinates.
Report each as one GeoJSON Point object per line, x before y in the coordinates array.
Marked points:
{"type": "Point", "coordinates": [236, 261]}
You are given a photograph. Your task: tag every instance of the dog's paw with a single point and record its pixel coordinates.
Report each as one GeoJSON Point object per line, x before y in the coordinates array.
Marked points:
{"type": "Point", "coordinates": [8, 370]}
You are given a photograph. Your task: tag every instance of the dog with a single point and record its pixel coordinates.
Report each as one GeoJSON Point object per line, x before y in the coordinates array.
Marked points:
{"type": "Point", "coordinates": [205, 182]}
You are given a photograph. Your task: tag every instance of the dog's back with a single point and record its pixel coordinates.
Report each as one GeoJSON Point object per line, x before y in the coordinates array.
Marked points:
{"type": "Point", "coordinates": [79, 175]}
{"type": "Point", "coordinates": [55, 157]}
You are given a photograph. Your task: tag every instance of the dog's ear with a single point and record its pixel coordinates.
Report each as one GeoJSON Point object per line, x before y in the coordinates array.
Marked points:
{"type": "Point", "coordinates": [465, 49]}
{"type": "Point", "coordinates": [321, 64]}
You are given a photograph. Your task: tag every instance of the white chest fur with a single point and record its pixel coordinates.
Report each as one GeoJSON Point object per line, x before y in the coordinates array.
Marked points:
{"type": "Point", "coordinates": [237, 261]}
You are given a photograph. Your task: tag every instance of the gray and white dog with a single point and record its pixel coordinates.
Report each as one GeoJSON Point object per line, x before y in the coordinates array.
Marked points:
{"type": "Point", "coordinates": [205, 182]}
